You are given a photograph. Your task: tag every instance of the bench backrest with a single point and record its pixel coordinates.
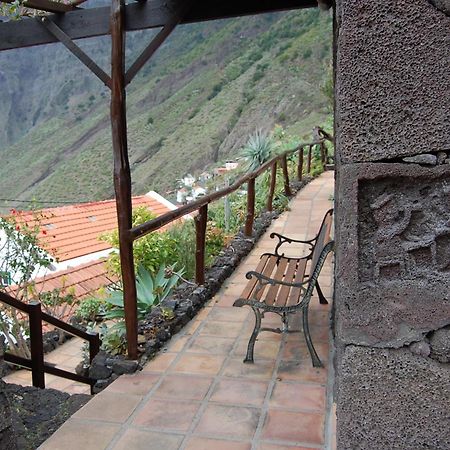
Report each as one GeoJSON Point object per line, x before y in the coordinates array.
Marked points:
{"type": "Point", "coordinates": [323, 238]}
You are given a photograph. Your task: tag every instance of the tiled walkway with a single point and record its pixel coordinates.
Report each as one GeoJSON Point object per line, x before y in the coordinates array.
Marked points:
{"type": "Point", "coordinates": [199, 395]}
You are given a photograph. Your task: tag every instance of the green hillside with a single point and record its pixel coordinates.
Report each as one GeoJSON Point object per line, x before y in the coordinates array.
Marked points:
{"type": "Point", "coordinates": [193, 105]}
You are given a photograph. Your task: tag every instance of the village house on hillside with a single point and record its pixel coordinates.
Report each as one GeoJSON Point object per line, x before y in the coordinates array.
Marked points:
{"type": "Point", "coordinates": [70, 235]}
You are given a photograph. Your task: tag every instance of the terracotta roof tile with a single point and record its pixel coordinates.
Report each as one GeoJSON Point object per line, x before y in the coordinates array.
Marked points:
{"type": "Point", "coordinates": [72, 231]}
{"type": "Point", "coordinates": [85, 280]}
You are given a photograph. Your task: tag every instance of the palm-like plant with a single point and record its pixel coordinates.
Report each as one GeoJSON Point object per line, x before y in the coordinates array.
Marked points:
{"type": "Point", "coordinates": [151, 291]}
{"type": "Point", "coordinates": [258, 150]}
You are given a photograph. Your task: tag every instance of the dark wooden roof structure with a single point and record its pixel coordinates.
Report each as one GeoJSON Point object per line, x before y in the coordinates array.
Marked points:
{"type": "Point", "coordinates": [68, 22]}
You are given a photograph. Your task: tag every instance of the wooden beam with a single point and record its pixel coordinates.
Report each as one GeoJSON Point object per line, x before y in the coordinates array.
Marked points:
{"type": "Point", "coordinates": [122, 175]}
{"type": "Point", "coordinates": [75, 50]}
{"type": "Point", "coordinates": [84, 23]}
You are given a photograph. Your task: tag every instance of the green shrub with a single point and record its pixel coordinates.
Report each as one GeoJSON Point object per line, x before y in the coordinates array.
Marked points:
{"type": "Point", "coordinates": [90, 308]}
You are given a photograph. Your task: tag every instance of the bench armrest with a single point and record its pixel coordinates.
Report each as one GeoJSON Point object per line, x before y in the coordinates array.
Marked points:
{"type": "Point", "coordinates": [284, 239]}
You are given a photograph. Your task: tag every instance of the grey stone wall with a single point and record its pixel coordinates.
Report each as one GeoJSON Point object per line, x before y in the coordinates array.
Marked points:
{"type": "Point", "coordinates": [392, 304]}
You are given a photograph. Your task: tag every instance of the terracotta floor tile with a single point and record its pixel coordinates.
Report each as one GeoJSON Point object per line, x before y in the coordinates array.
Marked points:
{"type": "Point", "coordinates": [167, 414]}
{"type": "Point", "coordinates": [229, 314]}
{"type": "Point", "coordinates": [77, 434]}
{"type": "Point", "coordinates": [259, 370]}
{"type": "Point", "coordinates": [221, 329]}
{"type": "Point", "coordinates": [198, 443]}
{"type": "Point", "coordinates": [109, 406]}
{"type": "Point", "coordinates": [266, 446]}
{"type": "Point", "coordinates": [294, 427]}
{"type": "Point", "coordinates": [211, 345]}
{"type": "Point", "coordinates": [298, 396]}
{"type": "Point", "coordinates": [296, 350]}
{"type": "Point", "coordinates": [160, 363]}
{"type": "Point", "coordinates": [177, 344]}
{"type": "Point", "coordinates": [301, 371]}
{"type": "Point", "coordinates": [226, 301]}
{"type": "Point", "coordinates": [263, 349]}
{"type": "Point", "coordinates": [237, 422]}
{"type": "Point", "coordinates": [135, 439]}
{"type": "Point", "coordinates": [136, 384]}
{"type": "Point", "coordinates": [240, 391]}
{"type": "Point", "coordinates": [183, 387]}
{"type": "Point", "coordinates": [199, 364]}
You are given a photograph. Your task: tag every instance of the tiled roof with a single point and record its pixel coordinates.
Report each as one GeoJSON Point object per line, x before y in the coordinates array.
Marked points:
{"type": "Point", "coordinates": [69, 232]}
{"type": "Point", "coordinates": [83, 281]}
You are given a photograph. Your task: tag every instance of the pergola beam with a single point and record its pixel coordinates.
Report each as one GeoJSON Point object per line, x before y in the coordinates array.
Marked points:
{"type": "Point", "coordinates": [84, 23]}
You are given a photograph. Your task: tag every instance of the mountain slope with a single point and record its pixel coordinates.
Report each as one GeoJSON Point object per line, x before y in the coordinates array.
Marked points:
{"type": "Point", "coordinates": [194, 104]}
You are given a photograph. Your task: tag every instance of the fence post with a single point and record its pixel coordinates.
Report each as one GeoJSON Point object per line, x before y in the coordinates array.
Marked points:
{"type": "Point", "coordinates": [284, 165]}
{"type": "Point", "coordinates": [36, 344]}
{"type": "Point", "coordinates": [300, 164]}
{"type": "Point", "coordinates": [273, 182]}
{"type": "Point", "coordinates": [308, 166]}
{"type": "Point", "coordinates": [94, 344]}
{"type": "Point", "coordinates": [250, 207]}
{"type": "Point", "coordinates": [201, 220]}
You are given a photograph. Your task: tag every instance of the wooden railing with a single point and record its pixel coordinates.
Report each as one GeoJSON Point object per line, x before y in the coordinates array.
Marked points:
{"type": "Point", "coordinates": [201, 205]}
{"type": "Point", "coordinates": [36, 363]}
{"type": "Point", "coordinates": [129, 234]}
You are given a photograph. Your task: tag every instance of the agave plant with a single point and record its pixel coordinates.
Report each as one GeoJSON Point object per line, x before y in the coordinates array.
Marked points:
{"type": "Point", "coordinates": [151, 291]}
{"type": "Point", "coordinates": [258, 150]}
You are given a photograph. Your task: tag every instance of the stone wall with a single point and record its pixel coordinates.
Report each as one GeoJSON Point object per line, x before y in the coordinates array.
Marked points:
{"type": "Point", "coordinates": [393, 224]}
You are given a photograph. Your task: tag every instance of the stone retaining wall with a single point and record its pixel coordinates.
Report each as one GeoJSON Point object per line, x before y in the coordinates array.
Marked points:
{"type": "Point", "coordinates": [393, 224]}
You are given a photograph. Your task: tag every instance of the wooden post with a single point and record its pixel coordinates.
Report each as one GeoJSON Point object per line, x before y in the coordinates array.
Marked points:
{"type": "Point", "coordinates": [201, 221]}
{"type": "Point", "coordinates": [36, 345]}
{"type": "Point", "coordinates": [308, 166]}
{"type": "Point", "coordinates": [250, 207]}
{"type": "Point", "coordinates": [300, 164]}
{"type": "Point", "coordinates": [122, 176]}
{"type": "Point", "coordinates": [273, 182]}
{"type": "Point", "coordinates": [284, 165]}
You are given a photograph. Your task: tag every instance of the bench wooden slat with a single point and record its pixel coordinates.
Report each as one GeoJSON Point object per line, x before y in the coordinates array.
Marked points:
{"type": "Point", "coordinates": [294, 295]}
{"type": "Point", "coordinates": [265, 267]}
{"type": "Point", "coordinates": [289, 277]}
{"type": "Point", "coordinates": [279, 275]}
{"type": "Point", "coordinates": [322, 240]}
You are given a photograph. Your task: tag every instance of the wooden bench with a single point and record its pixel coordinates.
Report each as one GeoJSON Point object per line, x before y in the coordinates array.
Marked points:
{"type": "Point", "coordinates": [284, 285]}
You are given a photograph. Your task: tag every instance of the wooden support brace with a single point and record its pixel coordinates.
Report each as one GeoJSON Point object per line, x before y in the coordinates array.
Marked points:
{"type": "Point", "coordinates": [75, 50]}
{"type": "Point", "coordinates": [300, 164]}
{"type": "Point", "coordinates": [250, 207]}
{"type": "Point", "coordinates": [201, 221]}
{"type": "Point", "coordinates": [273, 182]}
{"type": "Point", "coordinates": [156, 42]}
{"type": "Point", "coordinates": [308, 164]}
{"type": "Point", "coordinates": [284, 165]}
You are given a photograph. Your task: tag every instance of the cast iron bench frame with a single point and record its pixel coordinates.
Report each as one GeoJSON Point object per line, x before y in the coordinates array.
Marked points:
{"type": "Point", "coordinates": [281, 285]}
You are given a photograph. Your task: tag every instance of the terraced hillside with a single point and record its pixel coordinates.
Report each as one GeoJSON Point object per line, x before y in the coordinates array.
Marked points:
{"type": "Point", "coordinates": [193, 105]}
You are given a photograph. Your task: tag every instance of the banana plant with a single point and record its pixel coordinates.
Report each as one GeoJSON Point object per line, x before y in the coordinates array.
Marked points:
{"type": "Point", "coordinates": [151, 291]}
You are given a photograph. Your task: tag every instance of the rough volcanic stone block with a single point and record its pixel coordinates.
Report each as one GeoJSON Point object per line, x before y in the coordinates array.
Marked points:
{"type": "Point", "coordinates": [393, 259]}
{"type": "Point", "coordinates": [392, 399]}
{"type": "Point", "coordinates": [393, 79]}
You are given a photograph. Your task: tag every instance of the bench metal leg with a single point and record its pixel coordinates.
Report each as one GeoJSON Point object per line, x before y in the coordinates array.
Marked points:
{"type": "Point", "coordinates": [322, 299]}
{"type": "Point", "coordinates": [256, 330]}
{"type": "Point", "coordinates": [312, 351]}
